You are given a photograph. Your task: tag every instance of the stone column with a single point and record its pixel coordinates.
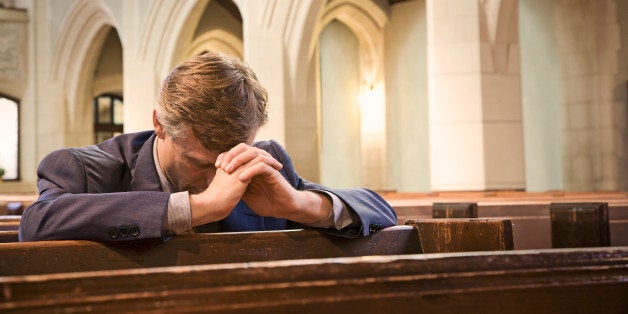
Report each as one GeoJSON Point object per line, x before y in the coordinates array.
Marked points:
{"type": "Point", "coordinates": [263, 29]}
{"type": "Point", "coordinates": [588, 41]}
{"type": "Point", "coordinates": [140, 69]}
{"type": "Point", "coordinates": [476, 140]}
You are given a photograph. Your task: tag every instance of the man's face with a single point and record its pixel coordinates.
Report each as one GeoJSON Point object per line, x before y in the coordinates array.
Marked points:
{"type": "Point", "coordinates": [186, 163]}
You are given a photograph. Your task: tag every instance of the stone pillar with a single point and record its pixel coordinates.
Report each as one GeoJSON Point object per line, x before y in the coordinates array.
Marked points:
{"type": "Point", "coordinates": [140, 74]}
{"type": "Point", "coordinates": [476, 140]}
{"type": "Point", "coordinates": [140, 93]}
{"type": "Point", "coordinates": [263, 30]}
{"type": "Point", "coordinates": [588, 41]}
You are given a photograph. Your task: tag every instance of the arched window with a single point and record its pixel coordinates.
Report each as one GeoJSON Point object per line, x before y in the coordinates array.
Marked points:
{"type": "Point", "coordinates": [9, 139]}
{"type": "Point", "coordinates": [108, 117]}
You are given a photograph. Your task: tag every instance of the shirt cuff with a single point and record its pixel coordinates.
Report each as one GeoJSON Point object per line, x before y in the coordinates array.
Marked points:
{"type": "Point", "coordinates": [338, 218]}
{"type": "Point", "coordinates": [179, 215]}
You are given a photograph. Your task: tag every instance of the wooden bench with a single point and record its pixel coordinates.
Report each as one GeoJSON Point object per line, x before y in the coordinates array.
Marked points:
{"type": "Point", "coordinates": [589, 280]}
{"type": "Point", "coordinates": [9, 222]}
{"type": "Point", "coordinates": [8, 236]}
{"type": "Point", "coordinates": [529, 212]}
{"type": "Point", "coordinates": [579, 225]}
{"type": "Point", "coordinates": [28, 258]}
{"type": "Point", "coordinates": [464, 234]}
{"type": "Point", "coordinates": [14, 204]}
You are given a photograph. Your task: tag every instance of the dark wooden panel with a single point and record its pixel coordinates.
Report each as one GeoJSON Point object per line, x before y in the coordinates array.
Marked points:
{"type": "Point", "coordinates": [547, 281]}
{"type": "Point", "coordinates": [464, 234]}
{"type": "Point", "coordinates": [579, 224]}
{"type": "Point", "coordinates": [72, 256]}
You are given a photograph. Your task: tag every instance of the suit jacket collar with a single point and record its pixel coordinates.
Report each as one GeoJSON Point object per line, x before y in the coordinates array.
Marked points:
{"type": "Point", "coordinates": [144, 175]}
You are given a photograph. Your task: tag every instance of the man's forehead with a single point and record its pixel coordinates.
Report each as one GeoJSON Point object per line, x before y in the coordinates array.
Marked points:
{"type": "Point", "coordinates": [193, 149]}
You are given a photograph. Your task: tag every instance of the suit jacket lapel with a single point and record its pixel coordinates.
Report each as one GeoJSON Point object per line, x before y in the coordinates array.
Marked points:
{"type": "Point", "coordinates": [144, 176]}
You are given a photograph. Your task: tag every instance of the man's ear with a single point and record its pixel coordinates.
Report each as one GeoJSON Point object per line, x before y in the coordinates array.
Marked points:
{"type": "Point", "coordinates": [159, 129]}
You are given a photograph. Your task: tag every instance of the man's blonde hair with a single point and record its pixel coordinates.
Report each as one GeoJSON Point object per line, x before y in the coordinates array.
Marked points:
{"type": "Point", "coordinates": [214, 97]}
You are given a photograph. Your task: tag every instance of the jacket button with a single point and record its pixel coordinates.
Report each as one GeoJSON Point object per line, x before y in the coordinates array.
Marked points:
{"type": "Point", "coordinates": [113, 233]}
{"type": "Point", "coordinates": [123, 231]}
{"type": "Point", "coordinates": [135, 231]}
{"type": "Point", "coordinates": [375, 227]}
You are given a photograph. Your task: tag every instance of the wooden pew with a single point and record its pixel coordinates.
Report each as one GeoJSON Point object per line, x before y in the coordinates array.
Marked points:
{"type": "Point", "coordinates": [28, 258]}
{"type": "Point", "coordinates": [9, 225]}
{"type": "Point", "coordinates": [9, 222]}
{"type": "Point", "coordinates": [8, 236]}
{"type": "Point", "coordinates": [579, 224]}
{"type": "Point", "coordinates": [589, 280]}
{"type": "Point", "coordinates": [529, 212]}
{"type": "Point", "coordinates": [14, 204]}
{"type": "Point", "coordinates": [463, 234]}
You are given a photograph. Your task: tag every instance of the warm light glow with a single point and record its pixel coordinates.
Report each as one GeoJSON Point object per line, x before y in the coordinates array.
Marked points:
{"type": "Point", "coordinates": [372, 111]}
{"type": "Point", "coordinates": [373, 134]}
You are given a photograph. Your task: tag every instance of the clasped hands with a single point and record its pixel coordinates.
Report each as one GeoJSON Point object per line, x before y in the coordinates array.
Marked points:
{"type": "Point", "coordinates": [251, 174]}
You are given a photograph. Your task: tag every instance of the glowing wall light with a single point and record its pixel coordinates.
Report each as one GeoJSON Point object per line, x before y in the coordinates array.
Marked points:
{"type": "Point", "coordinates": [372, 111]}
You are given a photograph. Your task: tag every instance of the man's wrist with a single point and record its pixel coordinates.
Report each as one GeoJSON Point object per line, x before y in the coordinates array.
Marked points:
{"type": "Point", "coordinates": [322, 209]}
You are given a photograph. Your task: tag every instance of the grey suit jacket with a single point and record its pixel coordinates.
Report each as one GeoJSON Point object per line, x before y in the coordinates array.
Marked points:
{"type": "Point", "coordinates": [111, 191]}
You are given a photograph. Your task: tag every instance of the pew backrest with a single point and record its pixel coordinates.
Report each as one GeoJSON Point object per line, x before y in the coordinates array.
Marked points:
{"type": "Point", "coordinates": [27, 258]}
{"type": "Point", "coordinates": [464, 234]}
{"type": "Point", "coordinates": [579, 224]}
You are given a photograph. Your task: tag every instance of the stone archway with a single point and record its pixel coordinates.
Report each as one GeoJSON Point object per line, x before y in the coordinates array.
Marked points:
{"type": "Point", "coordinates": [218, 40]}
{"type": "Point", "coordinates": [82, 35]}
{"type": "Point", "coordinates": [366, 21]}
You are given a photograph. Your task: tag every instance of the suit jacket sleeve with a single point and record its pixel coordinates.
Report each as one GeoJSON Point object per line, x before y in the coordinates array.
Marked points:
{"type": "Point", "coordinates": [369, 211]}
{"type": "Point", "coordinates": [82, 196]}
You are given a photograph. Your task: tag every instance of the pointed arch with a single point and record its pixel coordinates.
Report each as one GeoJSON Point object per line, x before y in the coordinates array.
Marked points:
{"type": "Point", "coordinates": [218, 40]}
{"type": "Point", "coordinates": [366, 20]}
{"type": "Point", "coordinates": [76, 51]}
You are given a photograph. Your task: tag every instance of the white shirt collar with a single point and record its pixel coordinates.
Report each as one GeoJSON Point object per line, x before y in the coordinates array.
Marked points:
{"type": "Point", "coordinates": [166, 186]}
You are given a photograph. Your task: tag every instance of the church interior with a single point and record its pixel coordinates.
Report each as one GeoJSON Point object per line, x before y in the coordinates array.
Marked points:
{"type": "Point", "coordinates": [407, 96]}
{"type": "Point", "coordinates": [495, 111]}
